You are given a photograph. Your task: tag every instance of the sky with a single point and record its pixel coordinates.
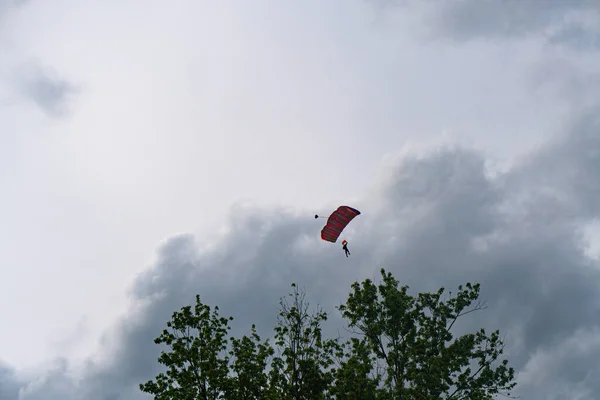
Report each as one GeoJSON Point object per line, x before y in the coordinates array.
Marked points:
{"type": "Point", "coordinates": [150, 151]}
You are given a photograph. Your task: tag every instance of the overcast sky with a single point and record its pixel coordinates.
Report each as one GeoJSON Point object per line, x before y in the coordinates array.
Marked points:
{"type": "Point", "coordinates": [152, 150]}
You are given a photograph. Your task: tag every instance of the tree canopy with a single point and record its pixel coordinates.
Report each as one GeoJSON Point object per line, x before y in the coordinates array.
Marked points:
{"type": "Point", "coordinates": [398, 347]}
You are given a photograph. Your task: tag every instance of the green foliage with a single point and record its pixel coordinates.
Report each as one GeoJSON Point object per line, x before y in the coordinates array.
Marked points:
{"type": "Point", "coordinates": [251, 358]}
{"type": "Point", "coordinates": [412, 337]}
{"type": "Point", "coordinates": [357, 377]}
{"type": "Point", "coordinates": [196, 365]}
{"type": "Point", "coordinates": [401, 347]}
{"type": "Point", "coordinates": [304, 368]}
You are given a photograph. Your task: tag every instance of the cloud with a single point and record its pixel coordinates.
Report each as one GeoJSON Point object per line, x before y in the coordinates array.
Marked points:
{"type": "Point", "coordinates": [9, 384]}
{"type": "Point", "coordinates": [37, 83]}
{"type": "Point", "coordinates": [46, 89]}
{"type": "Point", "coordinates": [578, 36]}
{"type": "Point", "coordinates": [7, 5]}
{"type": "Point", "coordinates": [576, 375]}
{"type": "Point", "coordinates": [513, 18]}
{"type": "Point", "coordinates": [569, 23]}
{"type": "Point", "coordinates": [440, 220]}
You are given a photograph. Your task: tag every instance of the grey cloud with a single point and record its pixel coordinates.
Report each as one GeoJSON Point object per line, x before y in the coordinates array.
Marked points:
{"type": "Point", "coordinates": [577, 37]}
{"type": "Point", "coordinates": [469, 18]}
{"type": "Point", "coordinates": [568, 170]}
{"type": "Point", "coordinates": [9, 385]}
{"type": "Point", "coordinates": [57, 382]}
{"type": "Point", "coordinates": [576, 86]}
{"type": "Point", "coordinates": [576, 375]}
{"type": "Point", "coordinates": [51, 93]}
{"type": "Point", "coordinates": [571, 23]}
{"type": "Point", "coordinates": [440, 221]}
{"type": "Point", "coordinates": [7, 5]}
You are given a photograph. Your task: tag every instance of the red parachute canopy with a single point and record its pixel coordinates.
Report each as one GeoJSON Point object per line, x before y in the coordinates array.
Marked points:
{"type": "Point", "coordinates": [337, 221]}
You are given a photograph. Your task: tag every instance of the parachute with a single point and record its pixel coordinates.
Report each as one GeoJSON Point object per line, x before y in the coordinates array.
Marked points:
{"type": "Point", "coordinates": [336, 223]}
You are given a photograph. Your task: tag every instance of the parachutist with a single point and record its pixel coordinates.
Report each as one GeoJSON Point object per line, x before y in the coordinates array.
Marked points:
{"type": "Point", "coordinates": [337, 221]}
{"type": "Point", "coordinates": [345, 247]}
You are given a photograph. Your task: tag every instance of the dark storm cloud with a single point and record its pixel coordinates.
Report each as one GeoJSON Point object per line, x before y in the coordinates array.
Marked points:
{"type": "Point", "coordinates": [440, 221]}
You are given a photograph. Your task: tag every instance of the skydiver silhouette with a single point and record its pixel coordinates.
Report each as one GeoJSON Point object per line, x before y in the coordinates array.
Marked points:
{"type": "Point", "coordinates": [345, 247]}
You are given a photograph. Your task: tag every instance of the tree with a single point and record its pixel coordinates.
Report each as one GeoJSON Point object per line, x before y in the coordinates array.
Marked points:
{"type": "Point", "coordinates": [411, 337]}
{"type": "Point", "coordinates": [304, 368]}
{"type": "Point", "coordinates": [251, 358]}
{"type": "Point", "coordinates": [197, 365]}
{"type": "Point", "coordinates": [357, 376]}
{"type": "Point", "coordinates": [203, 364]}
{"type": "Point", "coordinates": [401, 348]}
